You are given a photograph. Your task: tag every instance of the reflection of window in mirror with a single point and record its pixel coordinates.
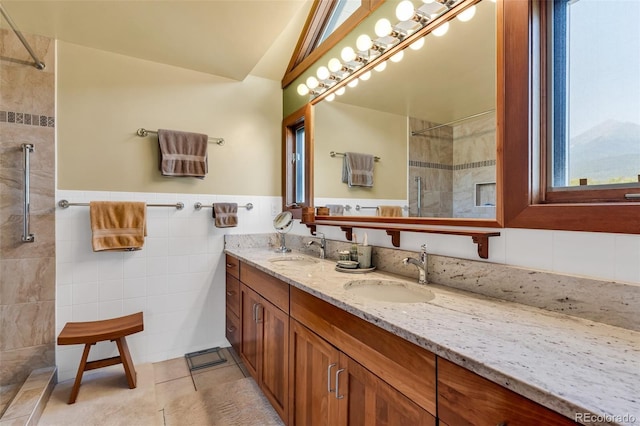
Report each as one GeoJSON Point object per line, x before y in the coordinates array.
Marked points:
{"type": "Point", "coordinates": [594, 127]}
{"type": "Point", "coordinates": [296, 157]}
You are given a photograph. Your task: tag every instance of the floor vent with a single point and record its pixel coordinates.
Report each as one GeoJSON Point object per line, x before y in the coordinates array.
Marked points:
{"type": "Point", "coordinates": [205, 358]}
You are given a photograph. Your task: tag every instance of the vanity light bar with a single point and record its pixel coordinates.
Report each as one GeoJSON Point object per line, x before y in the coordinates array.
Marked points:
{"type": "Point", "coordinates": [412, 22]}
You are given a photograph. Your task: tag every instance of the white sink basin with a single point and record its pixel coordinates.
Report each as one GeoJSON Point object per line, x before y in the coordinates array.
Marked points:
{"type": "Point", "coordinates": [389, 291]}
{"type": "Point", "coordinates": [293, 259]}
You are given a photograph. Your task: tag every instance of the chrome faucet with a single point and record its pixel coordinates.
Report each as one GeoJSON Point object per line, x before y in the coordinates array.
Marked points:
{"type": "Point", "coordinates": [322, 244]}
{"type": "Point", "coordinates": [421, 264]}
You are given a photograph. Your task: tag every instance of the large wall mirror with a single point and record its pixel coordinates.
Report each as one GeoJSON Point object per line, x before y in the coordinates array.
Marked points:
{"type": "Point", "coordinates": [431, 119]}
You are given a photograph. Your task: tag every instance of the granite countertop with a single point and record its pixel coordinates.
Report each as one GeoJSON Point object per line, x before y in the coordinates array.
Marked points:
{"type": "Point", "coordinates": [568, 364]}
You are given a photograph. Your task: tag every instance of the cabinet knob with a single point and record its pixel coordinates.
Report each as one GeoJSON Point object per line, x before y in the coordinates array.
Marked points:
{"type": "Point", "coordinates": [338, 396]}
{"type": "Point", "coordinates": [329, 377]}
{"type": "Point", "coordinates": [231, 329]}
{"type": "Point", "coordinates": [231, 293]}
{"type": "Point", "coordinates": [230, 265]}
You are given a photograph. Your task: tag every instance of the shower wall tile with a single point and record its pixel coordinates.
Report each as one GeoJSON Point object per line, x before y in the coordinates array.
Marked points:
{"type": "Point", "coordinates": [27, 324]}
{"type": "Point", "coordinates": [14, 369]}
{"type": "Point", "coordinates": [21, 279]}
{"type": "Point", "coordinates": [27, 270]}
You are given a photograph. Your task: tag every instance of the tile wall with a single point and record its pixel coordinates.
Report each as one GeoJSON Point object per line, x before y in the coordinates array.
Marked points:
{"type": "Point", "coordinates": [177, 279]}
{"type": "Point", "coordinates": [27, 270]}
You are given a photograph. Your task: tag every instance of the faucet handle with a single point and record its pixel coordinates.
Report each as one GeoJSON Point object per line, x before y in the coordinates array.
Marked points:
{"type": "Point", "coordinates": [423, 247]}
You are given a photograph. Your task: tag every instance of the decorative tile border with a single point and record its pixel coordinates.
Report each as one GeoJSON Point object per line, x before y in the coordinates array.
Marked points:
{"type": "Point", "coordinates": [474, 165]}
{"type": "Point", "coordinates": [27, 119]}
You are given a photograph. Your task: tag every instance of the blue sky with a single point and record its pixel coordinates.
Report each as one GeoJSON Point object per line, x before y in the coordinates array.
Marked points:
{"type": "Point", "coordinates": [604, 42]}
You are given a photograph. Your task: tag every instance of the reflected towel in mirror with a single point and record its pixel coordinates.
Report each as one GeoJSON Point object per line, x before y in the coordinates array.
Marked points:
{"type": "Point", "coordinates": [389, 211]}
{"type": "Point", "coordinates": [336, 209]}
{"type": "Point", "coordinates": [357, 169]}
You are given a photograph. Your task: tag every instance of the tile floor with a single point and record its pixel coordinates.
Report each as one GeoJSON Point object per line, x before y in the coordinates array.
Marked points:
{"type": "Point", "coordinates": [168, 394]}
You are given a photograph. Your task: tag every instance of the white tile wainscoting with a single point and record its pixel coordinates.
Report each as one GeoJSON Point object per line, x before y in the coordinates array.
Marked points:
{"type": "Point", "coordinates": [177, 279]}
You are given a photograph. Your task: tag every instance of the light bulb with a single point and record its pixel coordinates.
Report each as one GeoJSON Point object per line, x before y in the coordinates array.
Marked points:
{"type": "Point", "coordinates": [427, 1]}
{"type": "Point", "coordinates": [383, 27]}
{"type": "Point", "coordinates": [395, 58]}
{"type": "Point", "coordinates": [364, 43]}
{"type": "Point", "coordinates": [441, 30]}
{"type": "Point", "coordinates": [353, 83]}
{"type": "Point", "coordinates": [312, 82]}
{"type": "Point", "coordinates": [467, 14]}
{"type": "Point", "coordinates": [366, 76]}
{"type": "Point", "coordinates": [417, 45]}
{"type": "Point", "coordinates": [335, 65]}
{"type": "Point", "coordinates": [341, 91]}
{"type": "Point", "coordinates": [381, 66]}
{"type": "Point", "coordinates": [303, 90]}
{"type": "Point", "coordinates": [348, 54]}
{"type": "Point", "coordinates": [323, 73]}
{"type": "Point", "coordinates": [405, 10]}
{"type": "Point", "coordinates": [330, 97]}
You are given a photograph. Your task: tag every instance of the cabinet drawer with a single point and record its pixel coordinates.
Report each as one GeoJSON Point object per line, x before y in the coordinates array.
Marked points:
{"type": "Point", "coordinates": [233, 295]}
{"type": "Point", "coordinates": [271, 288]}
{"type": "Point", "coordinates": [232, 331]}
{"type": "Point", "coordinates": [233, 266]}
{"type": "Point", "coordinates": [464, 398]}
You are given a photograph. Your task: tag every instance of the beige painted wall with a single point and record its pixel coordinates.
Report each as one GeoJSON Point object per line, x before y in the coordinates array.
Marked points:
{"type": "Point", "coordinates": [103, 98]}
{"type": "Point", "coordinates": [340, 127]}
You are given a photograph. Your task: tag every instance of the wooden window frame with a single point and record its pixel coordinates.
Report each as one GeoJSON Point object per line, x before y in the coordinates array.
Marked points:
{"type": "Point", "coordinates": [306, 52]}
{"type": "Point", "coordinates": [289, 126]}
{"type": "Point", "coordinates": [527, 204]}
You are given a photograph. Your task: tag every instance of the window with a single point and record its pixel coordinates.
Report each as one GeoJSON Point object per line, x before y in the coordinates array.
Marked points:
{"type": "Point", "coordinates": [297, 155]}
{"type": "Point", "coordinates": [594, 96]}
{"type": "Point", "coordinates": [342, 10]}
{"type": "Point", "coordinates": [526, 88]}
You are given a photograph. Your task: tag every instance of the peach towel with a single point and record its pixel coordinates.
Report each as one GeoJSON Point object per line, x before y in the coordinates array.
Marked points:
{"type": "Point", "coordinates": [117, 226]}
{"type": "Point", "coordinates": [389, 211]}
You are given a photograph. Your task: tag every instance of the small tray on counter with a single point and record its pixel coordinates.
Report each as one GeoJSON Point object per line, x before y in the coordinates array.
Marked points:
{"type": "Point", "coordinates": [355, 270]}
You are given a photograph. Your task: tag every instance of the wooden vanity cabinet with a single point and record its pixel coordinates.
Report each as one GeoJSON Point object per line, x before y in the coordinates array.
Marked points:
{"type": "Point", "coordinates": [465, 398]}
{"type": "Point", "coordinates": [264, 343]}
{"type": "Point", "coordinates": [380, 378]}
{"type": "Point", "coordinates": [329, 388]}
{"type": "Point", "coordinates": [232, 294]}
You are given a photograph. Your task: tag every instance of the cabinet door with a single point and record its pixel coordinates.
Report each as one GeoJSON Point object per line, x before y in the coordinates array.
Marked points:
{"type": "Point", "coordinates": [313, 363]}
{"type": "Point", "coordinates": [274, 360]}
{"type": "Point", "coordinates": [251, 330]}
{"type": "Point", "coordinates": [464, 398]}
{"type": "Point", "coordinates": [365, 399]}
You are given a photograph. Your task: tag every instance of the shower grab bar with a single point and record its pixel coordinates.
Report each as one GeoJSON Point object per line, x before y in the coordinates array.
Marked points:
{"type": "Point", "coordinates": [36, 62]}
{"type": "Point", "coordinates": [144, 132]}
{"type": "Point", "coordinates": [419, 198]}
{"type": "Point", "coordinates": [359, 207]}
{"type": "Point", "coordinates": [27, 236]}
{"type": "Point", "coordinates": [199, 206]}
{"type": "Point", "coordinates": [63, 204]}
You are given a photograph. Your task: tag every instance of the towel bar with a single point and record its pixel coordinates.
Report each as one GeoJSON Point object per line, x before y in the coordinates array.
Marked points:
{"type": "Point", "coordinates": [199, 206]}
{"type": "Point", "coordinates": [359, 207]}
{"type": "Point", "coordinates": [333, 154]}
{"type": "Point", "coordinates": [63, 204]}
{"type": "Point", "coordinates": [144, 132]}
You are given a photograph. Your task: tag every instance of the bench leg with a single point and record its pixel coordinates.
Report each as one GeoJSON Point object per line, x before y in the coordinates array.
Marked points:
{"type": "Point", "coordinates": [125, 356]}
{"type": "Point", "coordinates": [81, 368]}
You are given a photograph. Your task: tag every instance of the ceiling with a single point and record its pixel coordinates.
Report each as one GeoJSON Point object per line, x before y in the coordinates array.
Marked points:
{"type": "Point", "coordinates": [228, 38]}
{"type": "Point", "coordinates": [450, 77]}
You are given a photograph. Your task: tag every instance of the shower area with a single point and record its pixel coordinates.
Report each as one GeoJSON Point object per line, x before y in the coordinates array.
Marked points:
{"type": "Point", "coordinates": [27, 268]}
{"type": "Point", "coordinates": [452, 167]}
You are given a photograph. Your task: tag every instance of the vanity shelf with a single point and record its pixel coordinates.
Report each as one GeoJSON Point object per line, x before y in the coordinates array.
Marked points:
{"type": "Point", "coordinates": [481, 238]}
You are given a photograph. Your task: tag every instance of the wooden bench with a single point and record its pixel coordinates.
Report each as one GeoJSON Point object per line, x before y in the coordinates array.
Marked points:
{"type": "Point", "coordinates": [91, 332]}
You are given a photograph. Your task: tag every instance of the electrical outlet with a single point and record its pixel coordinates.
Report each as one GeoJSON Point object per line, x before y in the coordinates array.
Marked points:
{"type": "Point", "coordinates": [274, 209]}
